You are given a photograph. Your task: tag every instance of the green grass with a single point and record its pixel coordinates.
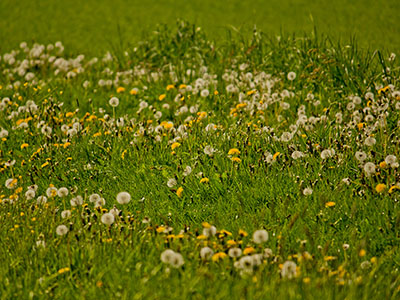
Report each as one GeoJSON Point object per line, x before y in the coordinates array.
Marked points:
{"type": "Point", "coordinates": [91, 26]}
{"type": "Point", "coordinates": [264, 190]}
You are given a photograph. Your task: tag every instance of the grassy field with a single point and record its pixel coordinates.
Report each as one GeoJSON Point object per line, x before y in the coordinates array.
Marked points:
{"type": "Point", "coordinates": [90, 26]}
{"type": "Point", "coordinates": [181, 167]}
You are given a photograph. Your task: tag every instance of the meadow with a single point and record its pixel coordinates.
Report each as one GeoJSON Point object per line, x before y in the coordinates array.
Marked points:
{"type": "Point", "coordinates": [185, 167]}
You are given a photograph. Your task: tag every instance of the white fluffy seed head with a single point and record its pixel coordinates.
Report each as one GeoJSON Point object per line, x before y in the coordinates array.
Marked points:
{"type": "Point", "coordinates": [107, 218]}
{"type": "Point", "coordinates": [260, 236]}
{"type": "Point", "coordinates": [206, 253]}
{"type": "Point", "coordinates": [62, 192]}
{"type": "Point", "coordinates": [62, 230]}
{"type": "Point", "coordinates": [123, 198]}
{"type": "Point", "coordinates": [114, 101]}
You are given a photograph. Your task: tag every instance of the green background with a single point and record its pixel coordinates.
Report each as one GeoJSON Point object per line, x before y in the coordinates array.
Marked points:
{"type": "Point", "coordinates": [90, 26]}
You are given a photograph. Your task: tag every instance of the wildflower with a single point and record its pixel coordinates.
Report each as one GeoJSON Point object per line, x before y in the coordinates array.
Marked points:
{"type": "Point", "coordinates": [235, 252]}
{"type": "Point", "coordinates": [3, 133]}
{"type": "Point", "coordinates": [120, 89]}
{"type": "Point", "coordinates": [78, 200]}
{"type": "Point", "coordinates": [246, 263]}
{"type": "Point", "coordinates": [41, 200]}
{"type": "Point", "coordinates": [204, 93]}
{"type": "Point", "coordinates": [267, 253]}
{"type": "Point", "coordinates": [187, 171]}
{"type": "Point", "coordinates": [171, 182]}
{"type": "Point", "coordinates": [219, 256]}
{"type": "Point", "coordinates": [380, 187]}
{"type": "Point", "coordinates": [370, 141]}
{"type": "Point", "coordinates": [236, 159]}
{"type": "Point", "coordinates": [30, 194]}
{"type": "Point", "coordinates": [24, 145]}
{"type": "Point", "coordinates": [204, 180]}
{"type": "Point", "coordinates": [62, 192]}
{"type": "Point", "coordinates": [362, 253]}
{"type": "Point", "coordinates": [307, 191]}
{"type": "Point", "coordinates": [176, 260]}
{"type": "Point", "coordinates": [297, 154]}
{"type": "Point", "coordinates": [243, 233]}
{"type": "Point", "coordinates": [51, 192]}
{"type": "Point", "coordinates": [166, 256]}
{"type": "Point", "coordinates": [260, 236]}
{"type": "Point", "coordinates": [162, 97]}
{"type": "Point", "coordinates": [369, 168]}
{"type": "Point", "coordinates": [361, 156]}
{"type": "Point", "coordinates": [291, 76]}
{"type": "Point", "coordinates": [175, 145]}
{"type": "Point", "coordinates": [107, 218]}
{"type": "Point", "coordinates": [391, 160]}
{"type": "Point", "coordinates": [114, 102]}
{"type": "Point", "coordinates": [345, 247]}
{"type": "Point", "coordinates": [257, 259]}
{"type": "Point", "coordinates": [289, 269]}
{"type": "Point", "coordinates": [365, 265]}
{"type": "Point", "coordinates": [210, 231]}
{"type": "Point", "coordinates": [234, 151]}
{"type": "Point", "coordinates": [209, 150]}
{"type": "Point", "coordinates": [94, 198]}
{"type": "Point", "coordinates": [65, 214]}
{"type": "Point", "coordinates": [330, 204]}
{"type": "Point", "coordinates": [62, 230]}
{"type": "Point", "coordinates": [327, 153]}
{"type": "Point", "coordinates": [179, 192]}
{"type": "Point", "coordinates": [249, 250]}
{"type": "Point", "coordinates": [206, 253]}
{"type": "Point", "coordinates": [123, 197]}
{"type": "Point", "coordinates": [11, 183]}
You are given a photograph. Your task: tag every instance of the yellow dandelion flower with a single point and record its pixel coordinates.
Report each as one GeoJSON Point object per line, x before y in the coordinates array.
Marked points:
{"type": "Point", "coordinates": [236, 159]}
{"type": "Point", "coordinates": [362, 253]}
{"type": "Point", "coordinates": [69, 114]}
{"type": "Point", "coordinates": [175, 145]}
{"type": "Point", "coordinates": [330, 204]}
{"type": "Point", "coordinates": [275, 155]}
{"type": "Point", "coordinates": [133, 92]}
{"type": "Point", "coordinates": [201, 237]}
{"type": "Point", "coordinates": [45, 164]}
{"type": "Point", "coordinates": [248, 250]}
{"type": "Point", "coordinates": [360, 126]}
{"type": "Point", "coordinates": [395, 187]}
{"type": "Point", "coordinates": [24, 145]}
{"type": "Point", "coordinates": [123, 154]}
{"type": "Point", "coordinates": [182, 86]}
{"type": "Point", "coordinates": [206, 225]}
{"type": "Point", "coordinates": [120, 89]}
{"type": "Point", "coordinates": [99, 284]}
{"type": "Point", "coordinates": [380, 187]}
{"type": "Point", "coordinates": [216, 93]}
{"type": "Point", "coordinates": [204, 180]}
{"type": "Point", "coordinates": [67, 144]}
{"type": "Point", "coordinates": [234, 151]}
{"type": "Point", "coordinates": [329, 258]}
{"type": "Point", "coordinates": [97, 134]}
{"type": "Point", "coordinates": [160, 229]}
{"type": "Point", "coordinates": [241, 105]}
{"type": "Point", "coordinates": [243, 233]}
{"type": "Point", "coordinates": [383, 165]}
{"type": "Point", "coordinates": [231, 243]}
{"type": "Point", "coordinates": [218, 256]}
{"type": "Point", "coordinates": [162, 97]}
{"type": "Point", "coordinates": [170, 87]}
{"type": "Point", "coordinates": [63, 270]}
{"type": "Point", "coordinates": [179, 192]}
